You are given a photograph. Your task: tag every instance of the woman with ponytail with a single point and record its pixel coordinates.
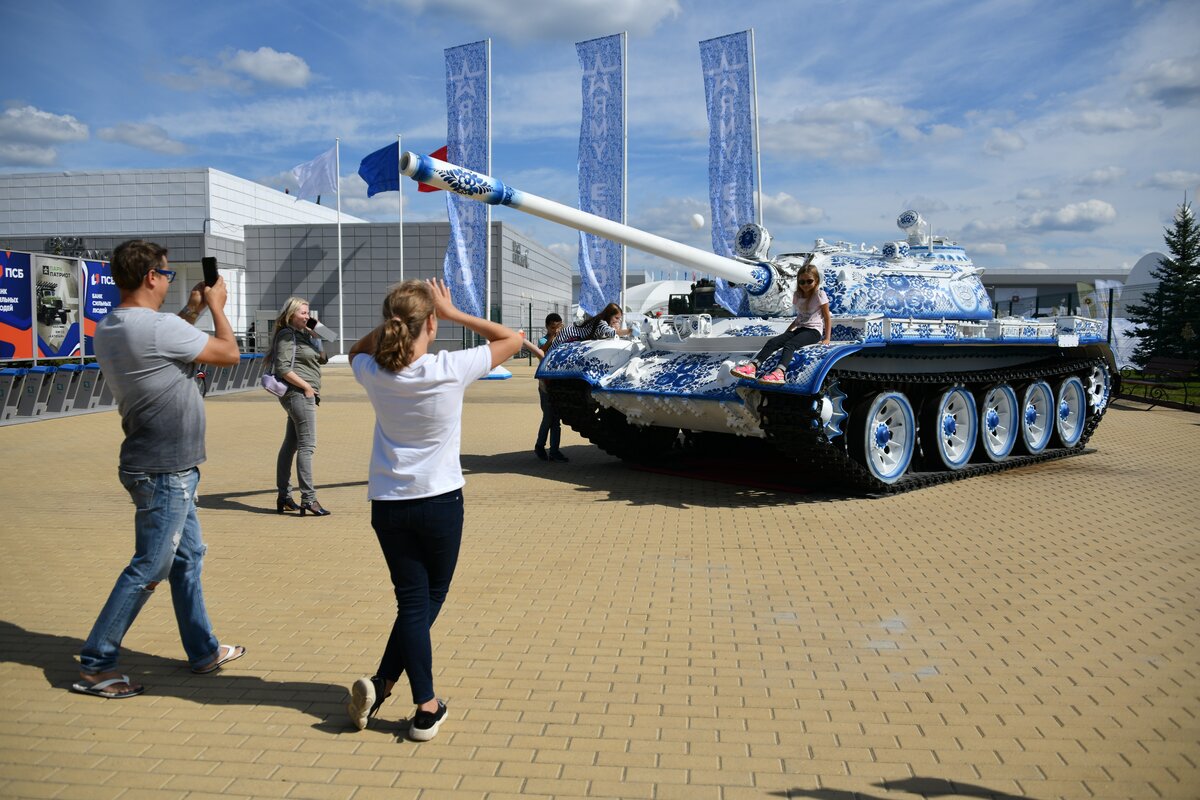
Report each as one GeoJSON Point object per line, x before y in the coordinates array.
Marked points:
{"type": "Point", "coordinates": [416, 480]}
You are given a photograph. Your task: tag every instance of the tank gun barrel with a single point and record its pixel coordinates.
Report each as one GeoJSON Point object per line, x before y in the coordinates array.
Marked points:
{"type": "Point", "coordinates": [486, 189]}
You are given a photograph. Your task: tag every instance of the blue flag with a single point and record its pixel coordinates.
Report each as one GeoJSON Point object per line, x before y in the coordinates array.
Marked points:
{"type": "Point", "coordinates": [726, 64]}
{"type": "Point", "coordinates": [381, 170]}
{"type": "Point", "coordinates": [465, 267]}
{"type": "Point", "coordinates": [601, 167]}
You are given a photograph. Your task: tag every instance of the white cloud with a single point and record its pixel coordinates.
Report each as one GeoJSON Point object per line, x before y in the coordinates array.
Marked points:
{"type": "Point", "coordinates": [1114, 120]}
{"type": "Point", "coordinates": [1173, 82]}
{"type": "Point", "coordinates": [925, 205]}
{"type": "Point", "coordinates": [32, 125]}
{"type": "Point", "coordinates": [845, 130]}
{"type": "Point", "coordinates": [785, 209]}
{"type": "Point", "coordinates": [26, 155]}
{"type": "Point", "coordinates": [1034, 265]}
{"type": "Point", "coordinates": [263, 65]}
{"type": "Point", "coordinates": [1030, 194]}
{"type": "Point", "coordinates": [1002, 142]}
{"type": "Point", "coordinates": [1086, 216]}
{"type": "Point", "coordinates": [28, 136]}
{"type": "Point", "coordinates": [143, 135]}
{"type": "Point", "coordinates": [1173, 179]}
{"type": "Point", "coordinates": [520, 20]}
{"type": "Point", "coordinates": [1101, 177]}
{"type": "Point", "coordinates": [989, 248]}
{"type": "Point", "coordinates": [270, 66]}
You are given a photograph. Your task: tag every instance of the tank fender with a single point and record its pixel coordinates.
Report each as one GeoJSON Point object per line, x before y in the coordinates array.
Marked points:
{"type": "Point", "coordinates": [811, 364]}
{"type": "Point", "coordinates": [589, 360]}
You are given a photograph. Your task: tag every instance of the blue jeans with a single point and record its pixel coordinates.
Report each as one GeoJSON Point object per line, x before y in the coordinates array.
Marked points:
{"type": "Point", "coordinates": [167, 546]}
{"type": "Point", "coordinates": [299, 442]}
{"type": "Point", "coordinates": [420, 540]}
{"type": "Point", "coordinates": [550, 426]}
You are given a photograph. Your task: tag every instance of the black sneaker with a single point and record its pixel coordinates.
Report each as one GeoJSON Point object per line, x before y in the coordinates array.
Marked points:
{"type": "Point", "coordinates": [541, 452]}
{"type": "Point", "coordinates": [425, 724]}
{"type": "Point", "coordinates": [366, 696]}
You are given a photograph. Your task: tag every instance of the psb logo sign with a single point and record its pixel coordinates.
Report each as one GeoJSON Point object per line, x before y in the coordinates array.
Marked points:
{"type": "Point", "coordinates": [102, 280]}
{"type": "Point", "coordinates": [14, 272]}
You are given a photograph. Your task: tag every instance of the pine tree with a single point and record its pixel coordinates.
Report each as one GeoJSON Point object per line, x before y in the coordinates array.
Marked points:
{"type": "Point", "coordinates": [1168, 320]}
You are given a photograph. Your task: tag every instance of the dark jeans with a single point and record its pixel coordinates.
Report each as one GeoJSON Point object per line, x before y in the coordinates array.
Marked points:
{"type": "Point", "coordinates": [550, 425]}
{"type": "Point", "coordinates": [420, 540]}
{"type": "Point", "coordinates": [787, 343]}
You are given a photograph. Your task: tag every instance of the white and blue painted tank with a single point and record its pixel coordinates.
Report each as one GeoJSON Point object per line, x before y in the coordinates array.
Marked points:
{"type": "Point", "coordinates": [921, 382]}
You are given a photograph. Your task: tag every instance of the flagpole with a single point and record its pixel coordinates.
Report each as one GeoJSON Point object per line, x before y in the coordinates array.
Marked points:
{"type": "Point", "coordinates": [337, 160]}
{"type": "Point", "coordinates": [400, 191]}
{"type": "Point", "coordinates": [754, 119]}
{"type": "Point", "coordinates": [624, 156]}
{"type": "Point", "coordinates": [487, 223]}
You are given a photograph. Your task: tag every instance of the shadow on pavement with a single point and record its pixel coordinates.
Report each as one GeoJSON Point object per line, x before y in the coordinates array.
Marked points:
{"type": "Point", "coordinates": [55, 656]}
{"type": "Point", "coordinates": [680, 483]}
{"type": "Point", "coordinates": [920, 786]}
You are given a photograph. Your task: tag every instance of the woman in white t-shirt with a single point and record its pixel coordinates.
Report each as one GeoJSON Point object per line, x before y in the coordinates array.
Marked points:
{"type": "Point", "coordinates": [813, 324]}
{"type": "Point", "coordinates": [416, 480]}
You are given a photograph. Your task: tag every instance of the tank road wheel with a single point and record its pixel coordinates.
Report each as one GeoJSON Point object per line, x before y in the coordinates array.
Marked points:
{"type": "Point", "coordinates": [998, 422]}
{"type": "Point", "coordinates": [1072, 405]}
{"type": "Point", "coordinates": [887, 433]}
{"type": "Point", "coordinates": [952, 427]}
{"type": "Point", "coordinates": [1099, 389]}
{"type": "Point", "coordinates": [1037, 417]}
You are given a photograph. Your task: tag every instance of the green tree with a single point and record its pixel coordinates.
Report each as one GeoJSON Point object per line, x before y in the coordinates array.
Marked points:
{"type": "Point", "coordinates": [1167, 319]}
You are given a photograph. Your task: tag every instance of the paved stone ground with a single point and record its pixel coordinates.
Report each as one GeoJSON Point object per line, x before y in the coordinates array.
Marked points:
{"type": "Point", "coordinates": [617, 633]}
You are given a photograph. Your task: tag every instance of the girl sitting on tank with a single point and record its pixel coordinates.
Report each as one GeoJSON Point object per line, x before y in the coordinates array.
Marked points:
{"type": "Point", "coordinates": [813, 324]}
{"type": "Point", "coordinates": [601, 326]}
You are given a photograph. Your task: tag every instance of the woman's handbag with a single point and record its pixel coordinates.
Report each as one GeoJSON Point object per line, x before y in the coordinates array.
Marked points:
{"type": "Point", "coordinates": [269, 381]}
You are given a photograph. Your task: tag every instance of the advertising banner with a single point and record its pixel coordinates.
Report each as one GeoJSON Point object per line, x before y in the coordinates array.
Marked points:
{"type": "Point", "coordinates": [16, 306]}
{"type": "Point", "coordinates": [728, 90]}
{"type": "Point", "coordinates": [467, 132]}
{"type": "Point", "coordinates": [56, 303]}
{"type": "Point", "coordinates": [601, 167]}
{"type": "Point", "coordinates": [100, 295]}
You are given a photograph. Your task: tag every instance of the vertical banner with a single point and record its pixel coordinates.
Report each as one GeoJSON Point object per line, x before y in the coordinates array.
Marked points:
{"type": "Point", "coordinates": [601, 167]}
{"type": "Point", "coordinates": [100, 295]}
{"type": "Point", "coordinates": [465, 267]}
{"type": "Point", "coordinates": [56, 304]}
{"type": "Point", "coordinates": [16, 306]}
{"type": "Point", "coordinates": [728, 94]}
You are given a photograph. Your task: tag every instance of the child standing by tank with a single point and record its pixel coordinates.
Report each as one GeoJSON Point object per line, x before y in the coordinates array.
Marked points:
{"type": "Point", "coordinates": [551, 426]}
{"type": "Point", "coordinates": [813, 324]}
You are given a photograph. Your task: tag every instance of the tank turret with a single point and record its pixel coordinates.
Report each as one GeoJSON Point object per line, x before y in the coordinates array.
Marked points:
{"type": "Point", "coordinates": [920, 383]}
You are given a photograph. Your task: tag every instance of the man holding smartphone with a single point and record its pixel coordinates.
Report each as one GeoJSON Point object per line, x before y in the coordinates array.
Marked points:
{"type": "Point", "coordinates": [147, 357]}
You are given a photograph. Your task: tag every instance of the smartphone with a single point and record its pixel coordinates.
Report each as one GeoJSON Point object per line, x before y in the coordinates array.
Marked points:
{"type": "Point", "coordinates": [312, 323]}
{"type": "Point", "coordinates": [210, 270]}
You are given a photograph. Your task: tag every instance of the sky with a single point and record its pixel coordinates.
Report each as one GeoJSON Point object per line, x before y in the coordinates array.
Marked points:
{"type": "Point", "coordinates": [1039, 134]}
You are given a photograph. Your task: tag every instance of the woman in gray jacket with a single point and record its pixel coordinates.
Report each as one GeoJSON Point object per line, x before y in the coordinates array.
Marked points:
{"type": "Point", "coordinates": [297, 362]}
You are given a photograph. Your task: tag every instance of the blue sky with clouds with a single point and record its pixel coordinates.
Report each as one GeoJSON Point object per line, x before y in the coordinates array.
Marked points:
{"type": "Point", "coordinates": [1037, 133]}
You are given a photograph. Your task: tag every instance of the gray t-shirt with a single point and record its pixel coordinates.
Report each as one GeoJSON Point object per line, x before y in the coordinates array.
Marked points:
{"type": "Point", "coordinates": [146, 357]}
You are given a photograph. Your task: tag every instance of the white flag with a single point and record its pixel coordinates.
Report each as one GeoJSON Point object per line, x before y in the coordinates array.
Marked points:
{"type": "Point", "coordinates": [318, 176]}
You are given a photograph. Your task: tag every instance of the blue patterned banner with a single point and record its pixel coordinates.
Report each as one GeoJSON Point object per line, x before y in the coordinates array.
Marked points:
{"type": "Point", "coordinates": [467, 145]}
{"type": "Point", "coordinates": [731, 180]}
{"type": "Point", "coordinates": [601, 167]}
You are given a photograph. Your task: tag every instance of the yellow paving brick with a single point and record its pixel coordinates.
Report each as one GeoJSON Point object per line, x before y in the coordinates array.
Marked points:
{"type": "Point", "coordinates": [610, 627]}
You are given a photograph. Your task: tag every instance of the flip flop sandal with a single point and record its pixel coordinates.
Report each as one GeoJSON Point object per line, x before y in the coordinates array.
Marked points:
{"type": "Point", "coordinates": [97, 689]}
{"type": "Point", "coordinates": [225, 654]}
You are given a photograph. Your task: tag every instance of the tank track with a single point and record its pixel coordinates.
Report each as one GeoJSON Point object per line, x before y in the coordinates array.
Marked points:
{"type": "Point", "coordinates": [792, 427]}
{"type": "Point", "coordinates": [791, 424]}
